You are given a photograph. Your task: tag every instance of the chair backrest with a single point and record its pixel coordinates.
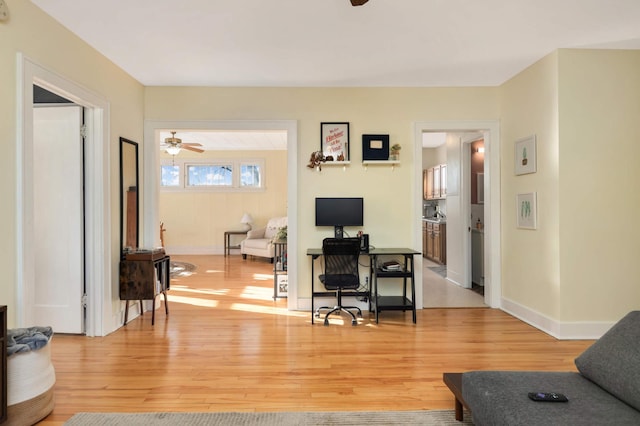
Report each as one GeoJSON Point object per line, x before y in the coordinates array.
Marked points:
{"type": "Point", "coordinates": [341, 257]}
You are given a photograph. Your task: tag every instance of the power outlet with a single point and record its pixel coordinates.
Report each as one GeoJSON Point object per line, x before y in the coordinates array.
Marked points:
{"type": "Point", "coordinates": [4, 11]}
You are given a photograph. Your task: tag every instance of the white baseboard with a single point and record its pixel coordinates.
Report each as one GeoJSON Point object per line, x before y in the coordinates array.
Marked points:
{"type": "Point", "coordinates": [576, 330]}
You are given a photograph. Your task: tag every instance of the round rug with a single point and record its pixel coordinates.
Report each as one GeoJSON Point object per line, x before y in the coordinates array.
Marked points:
{"type": "Point", "coordinates": [181, 269]}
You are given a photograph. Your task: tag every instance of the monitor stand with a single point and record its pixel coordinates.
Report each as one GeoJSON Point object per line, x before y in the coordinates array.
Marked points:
{"type": "Point", "coordinates": [338, 231]}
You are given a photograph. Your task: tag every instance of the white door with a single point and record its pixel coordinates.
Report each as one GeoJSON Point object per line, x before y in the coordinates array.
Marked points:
{"type": "Point", "coordinates": [58, 219]}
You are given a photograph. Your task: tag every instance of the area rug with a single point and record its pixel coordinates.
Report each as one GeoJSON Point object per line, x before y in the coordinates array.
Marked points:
{"type": "Point", "coordinates": [432, 417]}
{"type": "Point", "coordinates": [181, 269]}
{"type": "Point", "coordinates": [440, 270]}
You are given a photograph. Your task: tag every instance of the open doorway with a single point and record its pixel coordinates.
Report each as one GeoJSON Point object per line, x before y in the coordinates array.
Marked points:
{"type": "Point", "coordinates": [153, 160]}
{"type": "Point", "coordinates": [458, 207]}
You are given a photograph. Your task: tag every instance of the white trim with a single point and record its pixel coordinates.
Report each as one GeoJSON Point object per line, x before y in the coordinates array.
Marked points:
{"type": "Point", "coordinates": [151, 180]}
{"type": "Point", "coordinates": [576, 330]}
{"type": "Point", "coordinates": [97, 193]}
{"type": "Point", "coordinates": [491, 130]}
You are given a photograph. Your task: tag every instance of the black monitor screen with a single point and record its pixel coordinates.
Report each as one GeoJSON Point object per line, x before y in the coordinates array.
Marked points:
{"type": "Point", "coordinates": [339, 212]}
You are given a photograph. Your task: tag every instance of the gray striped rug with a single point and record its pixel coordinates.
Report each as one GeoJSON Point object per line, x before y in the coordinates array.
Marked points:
{"type": "Point", "coordinates": [432, 417]}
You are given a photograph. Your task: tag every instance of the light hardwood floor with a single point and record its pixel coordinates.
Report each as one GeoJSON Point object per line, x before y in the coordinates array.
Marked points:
{"type": "Point", "coordinates": [226, 345]}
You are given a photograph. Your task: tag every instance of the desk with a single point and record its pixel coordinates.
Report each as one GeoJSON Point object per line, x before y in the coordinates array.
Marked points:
{"type": "Point", "coordinates": [227, 241]}
{"type": "Point", "coordinates": [377, 303]}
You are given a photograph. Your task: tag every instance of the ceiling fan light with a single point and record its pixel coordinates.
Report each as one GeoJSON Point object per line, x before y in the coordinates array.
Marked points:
{"type": "Point", "coordinates": [173, 150]}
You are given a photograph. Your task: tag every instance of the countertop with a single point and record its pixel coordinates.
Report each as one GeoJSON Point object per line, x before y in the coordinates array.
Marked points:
{"type": "Point", "coordinates": [435, 220]}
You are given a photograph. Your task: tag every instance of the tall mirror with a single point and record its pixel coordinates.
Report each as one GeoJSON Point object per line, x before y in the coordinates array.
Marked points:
{"type": "Point", "coordinates": [129, 212]}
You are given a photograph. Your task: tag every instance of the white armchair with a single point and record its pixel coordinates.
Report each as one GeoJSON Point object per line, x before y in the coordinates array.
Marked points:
{"type": "Point", "coordinates": [259, 242]}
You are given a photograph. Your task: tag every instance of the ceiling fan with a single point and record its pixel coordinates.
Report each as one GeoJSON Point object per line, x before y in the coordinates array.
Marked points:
{"type": "Point", "coordinates": [173, 145]}
{"type": "Point", "coordinates": [358, 2]}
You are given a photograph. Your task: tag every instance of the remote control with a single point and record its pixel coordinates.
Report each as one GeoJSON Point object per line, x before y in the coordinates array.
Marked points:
{"type": "Point", "coordinates": [548, 397]}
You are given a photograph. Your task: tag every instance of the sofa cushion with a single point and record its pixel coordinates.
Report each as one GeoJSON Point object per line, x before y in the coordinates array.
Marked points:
{"type": "Point", "coordinates": [613, 362]}
{"type": "Point", "coordinates": [500, 398]}
{"type": "Point", "coordinates": [257, 243]}
{"type": "Point", "coordinates": [274, 225]}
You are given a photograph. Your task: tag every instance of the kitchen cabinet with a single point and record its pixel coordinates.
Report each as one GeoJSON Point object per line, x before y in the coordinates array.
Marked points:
{"type": "Point", "coordinates": [434, 181]}
{"type": "Point", "coordinates": [435, 241]}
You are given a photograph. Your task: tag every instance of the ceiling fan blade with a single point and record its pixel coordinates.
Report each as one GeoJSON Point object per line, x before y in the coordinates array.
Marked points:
{"type": "Point", "coordinates": [191, 148]}
{"type": "Point", "coordinates": [358, 2]}
{"type": "Point", "coordinates": [191, 144]}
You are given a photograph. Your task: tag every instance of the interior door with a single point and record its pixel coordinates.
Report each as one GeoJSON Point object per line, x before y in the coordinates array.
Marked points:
{"type": "Point", "coordinates": [58, 219]}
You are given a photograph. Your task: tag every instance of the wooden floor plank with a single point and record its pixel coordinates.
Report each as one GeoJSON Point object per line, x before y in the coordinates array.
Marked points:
{"type": "Point", "coordinates": [226, 345]}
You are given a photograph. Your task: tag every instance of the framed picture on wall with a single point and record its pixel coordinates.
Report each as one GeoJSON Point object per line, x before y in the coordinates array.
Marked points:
{"type": "Point", "coordinates": [375, 147]}
{"type": "Point", "coordinates": [525, 152]}
{"type": "Point", "coordinates": [334, 140]}
{"type": "Point", "coordinates": [526, 210]}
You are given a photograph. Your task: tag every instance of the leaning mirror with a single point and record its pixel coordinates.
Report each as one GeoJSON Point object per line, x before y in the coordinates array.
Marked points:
{"type": "Point", "coordinates": [129, 217]}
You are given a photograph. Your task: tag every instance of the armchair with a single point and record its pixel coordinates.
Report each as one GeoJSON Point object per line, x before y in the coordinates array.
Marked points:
{"type": "Point", "coordinates": [259, 242]}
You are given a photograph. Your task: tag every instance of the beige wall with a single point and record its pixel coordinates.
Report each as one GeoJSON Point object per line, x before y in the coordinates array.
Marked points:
{"type": "Point", "coordinates": [530, 264]}
{"type": "Point", "coordinates": [196, 220]}
{"type": "Point", "coordinates": [43, 40]}
{"type": "Point", "coordinates": [599, 98]}
{"type": "Point", "coordinates": [580, 265]}
{"type": "Point", "coordinates": [388, 193]}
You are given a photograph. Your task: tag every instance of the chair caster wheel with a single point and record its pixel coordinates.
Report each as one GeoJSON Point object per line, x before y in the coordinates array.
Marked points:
{"type": "Point", "coordinates": [326, 322]}
{"type": "Point", "coordinates": [354, 323]}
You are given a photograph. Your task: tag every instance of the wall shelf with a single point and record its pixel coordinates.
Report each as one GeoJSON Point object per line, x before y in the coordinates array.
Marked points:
{"type": "Point", "coordinates": [380, 162]}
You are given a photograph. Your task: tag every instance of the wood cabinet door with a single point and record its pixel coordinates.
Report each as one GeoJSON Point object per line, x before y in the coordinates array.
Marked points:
{"type": "Point", "coordinates": [429, 186]}
{"type": "Point", "coordinates": [443, 180]}
{"type": "Point", "coordinates": [437, 252]}
{"type": "Point", "coordinates": [436, 182]}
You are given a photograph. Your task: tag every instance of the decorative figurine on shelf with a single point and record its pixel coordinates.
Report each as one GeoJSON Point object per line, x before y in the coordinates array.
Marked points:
{"type": "Point", "coordinates": [317, 158]}
{"type": "Point", "coordinates": [394, 152]}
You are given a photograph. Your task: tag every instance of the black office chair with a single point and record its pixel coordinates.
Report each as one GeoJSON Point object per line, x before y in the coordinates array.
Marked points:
{"type": "Point", "coordinates": [340, 273]}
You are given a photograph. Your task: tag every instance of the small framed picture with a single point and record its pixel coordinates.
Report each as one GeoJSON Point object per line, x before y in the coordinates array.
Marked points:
{"type": "Point", "coordinates": [375, 147]}
{"type": "Point", "coordinates": [334, 140]}
{"type": "Point", "coordinates": [525, 152]}
{"type": "Point", "coordinates": [282, 286]}
{"type": "Point", "coordinates": [526, 210]}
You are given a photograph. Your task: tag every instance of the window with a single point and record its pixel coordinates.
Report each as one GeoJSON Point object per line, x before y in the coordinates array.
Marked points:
{"type": "Point", "coordinates": [212, 175]}
{"type": "Point", "coordinates": [209, 175]}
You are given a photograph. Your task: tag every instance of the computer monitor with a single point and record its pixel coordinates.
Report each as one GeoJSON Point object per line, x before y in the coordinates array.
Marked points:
{"type": "Point", "coordinates": [339, 212]}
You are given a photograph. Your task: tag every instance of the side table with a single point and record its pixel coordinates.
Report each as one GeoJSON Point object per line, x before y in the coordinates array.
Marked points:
{"type": "Point", "coordinates": [227, 241]}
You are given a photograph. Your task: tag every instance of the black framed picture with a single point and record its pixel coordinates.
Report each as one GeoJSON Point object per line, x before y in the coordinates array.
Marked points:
{"type": "Point", "coordinates": [375, 147]}
{"type": "Point", "coordinates": [334, 140]}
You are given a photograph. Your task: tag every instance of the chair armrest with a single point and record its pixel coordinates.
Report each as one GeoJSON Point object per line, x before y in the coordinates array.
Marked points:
{"type": "Point", "coordinates": [256, 233]}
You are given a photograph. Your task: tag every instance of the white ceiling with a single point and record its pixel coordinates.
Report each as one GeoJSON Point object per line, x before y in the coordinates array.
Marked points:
{"type": "Point", "coordinates": [236, 140]}
{"type": "Point", "coordinates": [329, 43]}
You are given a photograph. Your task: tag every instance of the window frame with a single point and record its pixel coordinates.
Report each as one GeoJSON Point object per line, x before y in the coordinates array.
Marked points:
{"type": "Point", "coordinates": [235, 163]}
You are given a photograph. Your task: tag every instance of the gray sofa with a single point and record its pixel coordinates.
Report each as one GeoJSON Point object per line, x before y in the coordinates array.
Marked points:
{"type": "Point", "coordinates": [604, 391]}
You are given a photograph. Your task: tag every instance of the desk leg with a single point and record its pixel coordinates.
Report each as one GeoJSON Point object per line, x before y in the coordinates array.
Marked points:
{"type": "Point", "coordinates": [313, 261]}
{"type": "Point", "coordinates": [413, 289]}
{"type": "Point", "coordinates": [153, 310]}
{"type": "Point", "coordinates": [166, 305]}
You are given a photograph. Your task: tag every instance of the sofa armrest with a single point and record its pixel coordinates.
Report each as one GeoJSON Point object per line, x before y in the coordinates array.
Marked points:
{"type": "Point", "coordinates": [256, 233]}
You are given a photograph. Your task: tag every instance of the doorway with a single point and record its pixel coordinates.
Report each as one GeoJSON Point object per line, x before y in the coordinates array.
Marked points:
{"type": "Point", "coordinates": [458, 207]}
{"type": "Point", "coordinates": [97, 200]}
{"type": "Point", "coordinates": [152, 184]}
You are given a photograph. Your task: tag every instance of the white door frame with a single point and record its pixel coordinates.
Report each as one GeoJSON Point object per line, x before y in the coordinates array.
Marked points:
{"type": "Point", "coordinates": [151, 181]}
{"type": "Point", "coordinates": [98, 257]}
{"type": "Point", "coordinates": [491, 132]}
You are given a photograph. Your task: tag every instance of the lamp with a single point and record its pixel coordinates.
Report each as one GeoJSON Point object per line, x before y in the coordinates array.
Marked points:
{"type": "Point", "coordinates": [246, 221]}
